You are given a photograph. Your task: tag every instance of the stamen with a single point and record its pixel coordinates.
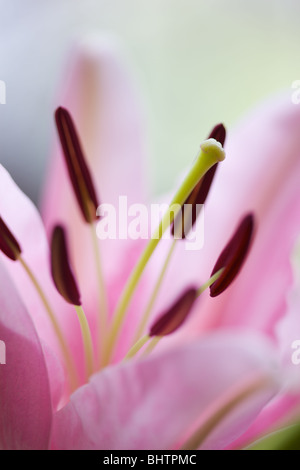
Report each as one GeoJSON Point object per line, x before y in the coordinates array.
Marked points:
{"type": "Point", "coordinates": [210, 281]}
{"type": "Point", "coordinates": [87, 340]}
{"type": "Point", "coordinates": [66, 285]}
{"type": "Point", "coordinates": [136, 347]}
{"type": "Point", "coordinates": [175, 316]}
{"type": "Point", "coordinates": [70, 366]}
{"type": "Point", "coordinates": [233, 256]}
{"type": "Point", "coordinates": [78, 170]}
{"type": "Point", "coordinates": [61, 271]}
{"type": "Point", "coordinates": [152, 345]}
{"type": "Point", "coordinates": [167, 323]}
{"type": "Point", "coordinates": [146, 315]}
{"type": "Point", "coordinates": [8, 243]}
{"type": "Point", "coordinates": [11, 248]}
{"type": "Point", "coordinates": [198, 196]}
{"type": "Point", "coordinates": [87, 199]}
{"type": "Point", "coordinates": [210, 153]}
{"type": "Point", "coordinates": [103, 301]}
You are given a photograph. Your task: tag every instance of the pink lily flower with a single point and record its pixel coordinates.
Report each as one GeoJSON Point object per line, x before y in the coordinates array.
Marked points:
{"type": "Point", "coordinates": [204, 386]}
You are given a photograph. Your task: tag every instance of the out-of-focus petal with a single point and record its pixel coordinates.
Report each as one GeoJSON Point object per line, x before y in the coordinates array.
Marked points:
{"type": "Point", "coordinates": [25, 405]}
{"type": "Point", "coordinates": [285, 409]}
{"type": "Point", "coordinates": [282, 411]}
{"type": "Point", "coordinates": [153, 403]}
{"type": "Point", "coordinates": [260, 174]}
{"type": "Point", "coordinates": [288, 329]}
{"type": "Point", "coordinates": [23, 219]}
{"type": "Point", "coordinates": [102, 98]}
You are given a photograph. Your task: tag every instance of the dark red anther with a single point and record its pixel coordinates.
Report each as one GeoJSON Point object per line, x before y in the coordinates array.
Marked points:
{"type": "Point", "coordinates": [8, 243]}
{"type": "Point", "coordinates": [60, 267]}
{"type": "Point", "coordinates": [173, 318]}
{"type": "Point", "coordinates": [192, 206]}
{"type": "Point", "coordinates": [233, 256]}
{"type": "Point", "coordinates": [78, 170]}
{"type": "Point", "coordinates": [218, 133]}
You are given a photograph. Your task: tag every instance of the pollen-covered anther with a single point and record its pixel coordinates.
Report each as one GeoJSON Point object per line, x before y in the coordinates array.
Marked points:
{"type": "Point", "coordinates": [62, 273]}
{"type": "Point", "coordinates": [187, 217]}
{"type": "Point", "coordinates": [76, 164]}
{"type": "Point", "coordinates": [233, 256]}
{"type": "Point", "coordinates": [8, 243]}
{"type": "Point", "coordinates": [175, 316]}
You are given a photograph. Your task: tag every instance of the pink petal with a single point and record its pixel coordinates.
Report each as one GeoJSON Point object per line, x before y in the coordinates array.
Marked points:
{"type": "Point", "coordinates": [260, 174]}
{"type": "Point", "coordinates": [267, 275]}
{"type": "Point", "coordinates": [152, 403]}
{"type": "Point", "coordinates": [288, 331]}
{"type": "Point", "coordinates": [23, 219]}
{"type": "Point", "coordinates": [101, 96]}
{"type": "Point", "coordinates": [279, 413]}
{"type": "Point", "coordinates": [287, 405]}
{"type": "Point", "coordinates": [25, 405]}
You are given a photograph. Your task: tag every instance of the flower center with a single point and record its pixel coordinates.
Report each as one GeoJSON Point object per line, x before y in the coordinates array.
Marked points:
{"type": "Point", "coordinates": [179, 217]}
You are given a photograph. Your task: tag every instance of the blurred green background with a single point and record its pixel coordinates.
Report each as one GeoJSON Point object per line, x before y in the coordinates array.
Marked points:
{"type": "Point", "coordinates": [198, 62]}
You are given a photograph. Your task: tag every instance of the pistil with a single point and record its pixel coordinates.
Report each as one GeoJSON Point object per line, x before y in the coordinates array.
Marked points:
{"type": "Point", "coordinates": [210, 153]}
{"type": "Point", "coordinates": [183, 224]}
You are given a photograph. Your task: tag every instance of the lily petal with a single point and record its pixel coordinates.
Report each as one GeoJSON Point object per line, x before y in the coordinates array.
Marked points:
{"type": "Point", "coordinates": [267, 274]}
{"type": "Point", "coordinates": [25, 405]}
{"type": "Point", "coordinates": [23, 219]}
{"type": "Point", "coordinates": [286, 408]}
{"type": "Point", "coordinates": [152, 404]}
{"type": "Point", "coordinates": [101, 96]}
{"type": "Point", "coordinates": [260, 174]}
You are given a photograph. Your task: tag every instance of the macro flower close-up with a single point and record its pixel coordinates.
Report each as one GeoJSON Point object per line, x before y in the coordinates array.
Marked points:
{"type": "Point", "coordinates": [133, 321]}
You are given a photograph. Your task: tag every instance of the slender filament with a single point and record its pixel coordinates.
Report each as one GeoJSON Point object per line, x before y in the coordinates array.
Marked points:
{"type": "Point", "coordinates": [87, 340]}
{"type": "Point", "coordinates": [103, 303]}
{"type": "Point", "coordinates": [154, 341]}
{"type": "Point", "coordinates": [154, 294]}
{"type": "Point", "coordinates": [74, 381]}
{"type": "Point", "coordinates": [136, 347]}
{"type": "Point", "coordinates": [210, 281]}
